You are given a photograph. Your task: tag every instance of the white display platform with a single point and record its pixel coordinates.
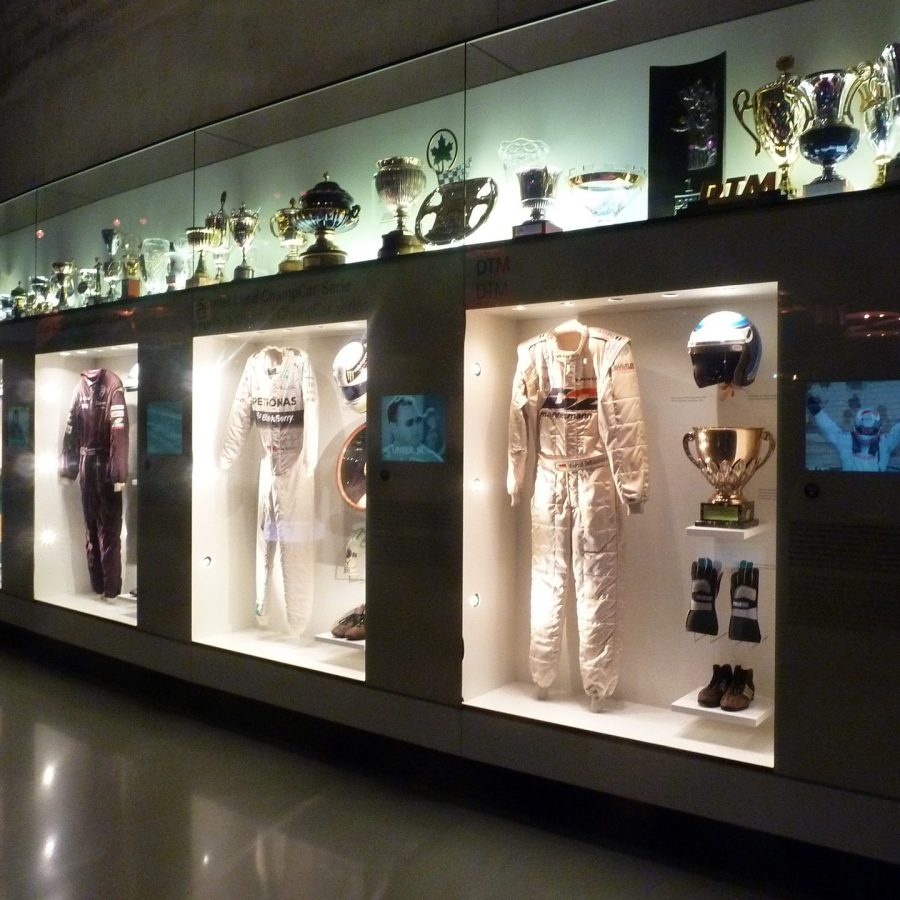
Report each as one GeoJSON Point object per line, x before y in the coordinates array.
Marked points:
{"type": "Point", "coordinates": [735, 534]}
{"type": "Point", "coordinates": [123, 609]}
{"type": "Point", "coordinates": [304, 652]}
{"type": "Point", "coordinates": [327, 638]}
{"type": "Point", "coordinates": [636, 721]}
{"type": "Point", "coordinates": [759, 710]}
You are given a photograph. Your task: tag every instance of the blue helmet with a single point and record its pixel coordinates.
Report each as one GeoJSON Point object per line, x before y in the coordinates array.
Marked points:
{"type": "Point", "coordinates": [725, 348]}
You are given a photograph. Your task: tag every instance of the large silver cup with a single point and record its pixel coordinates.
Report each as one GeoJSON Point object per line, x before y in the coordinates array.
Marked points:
{"type": "Point", "coordinates": [398, 182]}
{"type": "Point", "coordinates": [832, 135]}
{"type": "Point", "coordinates": [728, 459]}
{"type": "Point", "coordinates": [880, 103]}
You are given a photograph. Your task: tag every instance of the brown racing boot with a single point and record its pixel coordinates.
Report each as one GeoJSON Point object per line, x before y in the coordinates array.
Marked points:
{"type": "Point", "coordinates": [740, 694]}
{"type": "Point", "coordinates": [720, 682]}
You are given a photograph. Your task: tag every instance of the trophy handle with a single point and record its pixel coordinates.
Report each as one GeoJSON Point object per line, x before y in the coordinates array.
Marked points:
{"type": "Point", "coordinates": [741, 104]}
{"type": "Point", "coordinates": [767, 436]}
{"type": "Point", "coordinates": [865, 81]}
{"type": "Point", "coordinates": [272, 220]}
{"type": "Point", "coordinates": [685, 442]}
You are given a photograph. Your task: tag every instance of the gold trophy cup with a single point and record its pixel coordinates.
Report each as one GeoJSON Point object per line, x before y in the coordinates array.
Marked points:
{"type": "Point", "coordinates": [728, 459]}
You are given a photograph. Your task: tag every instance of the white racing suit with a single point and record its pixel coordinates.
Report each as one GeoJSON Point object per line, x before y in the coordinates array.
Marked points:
{"type": "Point", "coordinates": [579, 411]}
{"type": "Point", "coordinates": [278, 392]}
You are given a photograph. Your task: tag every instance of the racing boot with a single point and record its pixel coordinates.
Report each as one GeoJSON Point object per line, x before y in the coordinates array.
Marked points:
{"type": "Point", "coordinates": [741, 691]}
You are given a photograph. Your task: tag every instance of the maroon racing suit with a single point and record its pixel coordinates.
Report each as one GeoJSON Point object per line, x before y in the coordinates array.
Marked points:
{"type": "Point", "coordinates": [578, 412]}
{"type": "Point", "coordinates": [277, 392]}
{"type": "Point", "coordinates": [95, 450]}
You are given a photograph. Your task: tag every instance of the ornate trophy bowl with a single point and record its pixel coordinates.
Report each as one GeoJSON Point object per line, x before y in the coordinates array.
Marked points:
{"type": "Point", "coordinates": [728, 459]}
{"type": "Point", "coordinates": [285, 225]}
{"type": "Point", "coordinates": [325, 210]}
{"type": "Point", "coordinates": [831, 136]}
{"type": "Point", "coordinates": [607, 189]}
{"type": "Point", "coordinates": [781, 113]}
{"type": "Point", "coordinates": [879, 87]}
{"type": "Point", "coordinates": [155, 264]}
{"type": "Point", "coordinates": [243, 224]}
{"type": "Point", "coordinates": [398, 182]}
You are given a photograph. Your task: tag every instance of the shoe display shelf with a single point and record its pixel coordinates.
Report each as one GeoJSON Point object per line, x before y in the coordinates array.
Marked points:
{"type": "Point", "coordinates": [759, 710]}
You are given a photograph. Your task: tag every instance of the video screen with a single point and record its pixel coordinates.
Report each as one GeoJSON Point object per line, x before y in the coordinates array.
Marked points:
{"type": "Point", "coordinates": [412, 428]}
{"type": "Point", "coordinates": [853, 426]}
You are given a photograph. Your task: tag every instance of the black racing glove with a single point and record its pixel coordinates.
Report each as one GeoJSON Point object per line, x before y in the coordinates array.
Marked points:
{"type": "Point", "coordinates": [814, 404]}
{"type": "Point", "coordinates": [744, 625]}
{"type": "Point", "coordinates": [706, 576]}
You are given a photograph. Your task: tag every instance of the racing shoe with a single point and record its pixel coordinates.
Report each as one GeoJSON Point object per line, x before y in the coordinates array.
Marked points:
{"type": "Point", "coordinates": [719, 685]}
{"type": "Point", "coordinates": [348, 621]}
{"type": "Point", "coordinates": [357, 631]}
{"type": "Point", "coordinates": [744, 625]}
{"type": "Point", "coordinates": [706, 576]}
{"type": "Point", "coordinates": [741, 691]}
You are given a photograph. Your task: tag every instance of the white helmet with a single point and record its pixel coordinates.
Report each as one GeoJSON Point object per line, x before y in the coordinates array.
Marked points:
{"type": "Point", "coordinates": [350, 374]}
{"type": "Point", "coordinates": [866, 425]}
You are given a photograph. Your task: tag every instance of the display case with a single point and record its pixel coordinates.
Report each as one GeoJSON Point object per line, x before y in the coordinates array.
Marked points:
{"type": "Point", "coordinates": [279, 526]}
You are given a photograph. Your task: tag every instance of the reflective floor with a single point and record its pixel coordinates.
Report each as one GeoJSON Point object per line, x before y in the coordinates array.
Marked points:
{"type": "Point", "coordinates": [121, 787]}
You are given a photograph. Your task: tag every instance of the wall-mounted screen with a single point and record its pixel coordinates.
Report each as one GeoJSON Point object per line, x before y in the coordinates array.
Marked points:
{"type": "Point", "coordinates": [853, 426]}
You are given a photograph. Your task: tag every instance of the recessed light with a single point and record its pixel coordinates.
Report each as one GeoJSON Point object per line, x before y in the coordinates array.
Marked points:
{"type": "Point", "coordinates": [669, 294]}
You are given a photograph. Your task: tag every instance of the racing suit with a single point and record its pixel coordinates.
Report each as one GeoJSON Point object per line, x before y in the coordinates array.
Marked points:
{"type": "Point", "coordinates": [579, 412]}
{"type": "Point", "coordinates": [855, 455]}
{"type": "Point", "coordinates": [278, 392]}
{"type": "Point", "coordinates": [95, 450]}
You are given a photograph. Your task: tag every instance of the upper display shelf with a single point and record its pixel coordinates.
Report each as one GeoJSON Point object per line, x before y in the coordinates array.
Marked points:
{"type": "Point", "coordinates": [562, 124]}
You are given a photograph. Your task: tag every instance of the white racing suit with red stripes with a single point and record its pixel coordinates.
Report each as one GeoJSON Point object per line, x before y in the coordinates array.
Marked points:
{"type": "Point", "coordinates": [579, 412]}
{"type": "Point", "coordinates": [277, 391]}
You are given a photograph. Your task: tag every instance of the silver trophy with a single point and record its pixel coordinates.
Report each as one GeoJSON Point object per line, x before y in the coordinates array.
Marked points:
{"type": "Point", "coordinates": [65, 286]}
{"type": "Point", "coordinates": [607, 188]}
{"type": "Point", "coordinates": [525, 159]}
{"type": "Point", "coordinates": [326, 209]}
{"type": "Point", "coordinates": [728, 459]}
{"type": "Point", "coordinates": [398, 182]}
{"type": "Point", "coordinates": [831, 136]}
{"type": "Point", "coordinates": [880, 102]}
{"type": "Point", "coordinates": [243, 224]}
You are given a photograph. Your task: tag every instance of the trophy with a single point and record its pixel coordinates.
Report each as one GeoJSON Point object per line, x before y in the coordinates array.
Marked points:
{"type": "Point", "coordinates": [155, 264]}
{"type": "Point", "coordinates": [90, 284]}
{"type": "Point", "coordinates": [326, 209]}
{"type": "Point", "coordinates": [131, 268]}
{"type": "Point", "coordinates": [39, 296]}
{"type": "Point", "coordinates": [398, 181]}
{"type": "Point", "coordinates": [208, 236]}
{"type": "Point", "coordinates": [21, 305]}
{"type": "Point", "coordinates": [221, 250]}
{"type": "Point", "coordinates": [459, 205]}
{"type": "Point", "coordinates": [781, 113]}
{"type": "Point", "coordinates": [607, 189]}
{"type": "Point", "coordinates": [525, 160]}
{"type": "Point", "coordinates": [831, 136]}
{"type": "Point", "coordinates": [728, 458]}
{"type": "Point", "coordinates": [112, 268]}
{"type": "Point", "coordinates": [285, 225]}
{"type": "Point", "coordinates": [243, 224]}
{"type": "Point", "coordinates": [880, 102]}
{"type": "Point", "coordinates": [175, 275]}
{"type": "Point", "coordinates": [62, 272]}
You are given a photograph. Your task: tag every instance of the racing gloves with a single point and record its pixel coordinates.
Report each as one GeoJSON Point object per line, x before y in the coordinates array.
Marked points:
{"type": "Point", "coordinates": [706, 577]}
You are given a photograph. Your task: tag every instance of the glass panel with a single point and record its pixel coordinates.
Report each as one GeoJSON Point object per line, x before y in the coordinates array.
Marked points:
{"type": "Point", "coordinates": [581, 91]}
{"type": "Point", "coordinates": [85, 490]}
{"type": "Point", "coordinates": [279, 495]}
{"type": "Point", "coordinates": [17, 249]}
{"type": "Point", "coordinates": [98, 221]}
{"type": "Point", "coordinates": [268, 158]}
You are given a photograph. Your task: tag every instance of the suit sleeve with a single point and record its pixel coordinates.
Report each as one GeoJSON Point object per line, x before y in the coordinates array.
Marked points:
{"type": "Point", "coordinates": [118, 435]}
{"type": "Point", "coordinates": [310, 418]}
{"type": "Point", "coordinates": [240, 420]}
{"type": "Point", "coordinates": [622, 431]}
{"type": "Point", "coordinates": [71, 444]}
{"type": "Point", "coordinates": [522, 423]}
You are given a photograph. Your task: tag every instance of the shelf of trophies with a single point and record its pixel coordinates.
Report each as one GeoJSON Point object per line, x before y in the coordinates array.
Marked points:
{"type": "Point", "coordinates": [117, 233]}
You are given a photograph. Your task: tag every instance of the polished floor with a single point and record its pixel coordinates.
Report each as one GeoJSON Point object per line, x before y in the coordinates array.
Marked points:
{"type": "Point", "coordinates": [117, 785]}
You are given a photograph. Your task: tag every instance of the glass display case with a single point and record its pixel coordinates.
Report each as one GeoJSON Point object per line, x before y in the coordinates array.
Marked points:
{"type": "Point", "coordinates": [279, 500]}
{"type": "Point", "coordinates": [86, 481]}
